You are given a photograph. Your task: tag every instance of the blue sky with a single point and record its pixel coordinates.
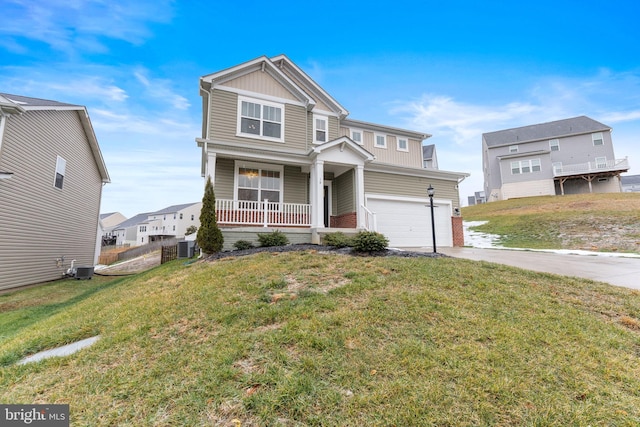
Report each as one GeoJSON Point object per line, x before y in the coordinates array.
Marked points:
{"type": "Point", "coordinates": [451, 69]}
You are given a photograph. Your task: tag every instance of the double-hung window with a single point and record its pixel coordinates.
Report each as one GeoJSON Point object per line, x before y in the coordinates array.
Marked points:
{"type": "Point", "coordinates": [61, 167]}
{"type": "Point", "coordinates": [356, 135]}
{"type": "Point", "coordinates": [320, 126]}
{"type": "Point", "coordinates": [554, 145]}
{"type": "Point", "coordinates": [513, 149]}
{"type": "Point", "coordinates": [380, 140]}
{"type": "Point", "coordinates": [260, 119]}
{"type": "Point", "coordinates": [597, 138]}
{"type": "Point", "coordinates": [403, 144]}
{"type": "Point", "coordinates": [257, 182]}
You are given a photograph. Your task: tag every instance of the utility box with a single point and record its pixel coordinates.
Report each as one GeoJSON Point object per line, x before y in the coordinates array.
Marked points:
{"type": "Point", "coordinates": [186, 248]}
{"type": "Point", "coordinates": [85, 273]}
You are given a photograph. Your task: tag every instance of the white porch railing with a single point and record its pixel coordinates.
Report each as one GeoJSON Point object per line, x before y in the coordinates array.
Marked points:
{"type": "Point", "coordinates": [369, 219]}
{"type": "Point", "coordinates": [265, 213]}
{"type": "Point", "coordinates": [592, 167]}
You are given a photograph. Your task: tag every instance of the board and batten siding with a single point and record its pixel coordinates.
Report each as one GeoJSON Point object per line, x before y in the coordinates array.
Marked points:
{"type": "Point", "coordinates": [223, 123]}
{"type": "Point", "coordinates": [409, 186]}
{"type": "Point", "coordinates": [260, 82]}
{"type": "Point", "coordinates": [391, 154]}
{"type": "Point", "coordinates": [40, 223]}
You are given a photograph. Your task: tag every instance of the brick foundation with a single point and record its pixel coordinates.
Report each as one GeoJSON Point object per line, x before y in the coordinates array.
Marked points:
{"type": "Point", "coordinates": [348, 220]}
{"type": "Point", "coordinates": [458, 231]}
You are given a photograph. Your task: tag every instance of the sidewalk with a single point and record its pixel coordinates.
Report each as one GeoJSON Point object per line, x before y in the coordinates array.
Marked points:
{"type": "Point", "coordinates": [618, 271]}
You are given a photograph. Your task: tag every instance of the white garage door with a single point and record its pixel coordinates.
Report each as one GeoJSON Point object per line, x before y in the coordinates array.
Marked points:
{"type": "Point", "coordinates": [408, 223]}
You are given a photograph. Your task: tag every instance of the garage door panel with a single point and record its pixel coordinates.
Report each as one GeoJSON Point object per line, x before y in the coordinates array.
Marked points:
{"type": "Point", "coordinates": [408, 223]}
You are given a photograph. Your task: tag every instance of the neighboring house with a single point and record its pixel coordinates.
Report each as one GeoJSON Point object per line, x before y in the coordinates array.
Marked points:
{"type": "Point", "coordinates": [109, 221]}
{"type": "Point", "coordinates": [477, 198]}
{"type": "Point", "coordinates": [429, 158]}
{"type": "Point", "coordinates": [570, 156]}
{"type": "Point", "coordinates": [50, 205]}
{"type": "Point", "coordinates": [282, 154]}
{"type": "Point", "coordinates": [126, 232]}
{"type": "Point", "coordinates": [630, 183]}
{"type": "Point", "coordinates": [169, 222]}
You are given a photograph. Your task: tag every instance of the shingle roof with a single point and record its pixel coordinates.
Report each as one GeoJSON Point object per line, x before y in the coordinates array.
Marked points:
{"type": "Point", "coordinates": [142, 217]}
{"type": "Point", "coordinates": [630, 179]}
{"type": "Point", "coordinates": [26, 101]}
{"type": "Point", "coordinates": [559, 128]}
{"type": "Point", "coordinates": [172, 209]}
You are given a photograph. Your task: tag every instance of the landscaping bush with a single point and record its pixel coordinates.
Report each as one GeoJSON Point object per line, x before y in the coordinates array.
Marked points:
{"type": "Point", "coordinates": [338, 240]}
{"type": "Point", "coordinates": [370, 241]}
{"type": "Point", "coordinates": [275, 238]}
{"type": "Point", "coordinates": [243, 244]}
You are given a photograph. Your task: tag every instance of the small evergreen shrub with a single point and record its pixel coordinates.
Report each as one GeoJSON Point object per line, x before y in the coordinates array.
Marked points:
{"type": "Point", "coordinates": [338, 240]}
{"type": "Point", "coordinates": [243, 244]}
{"type": "Point", "coordinates": [370, 241]}
{"type": "Point", "coordinates": [275, 238]}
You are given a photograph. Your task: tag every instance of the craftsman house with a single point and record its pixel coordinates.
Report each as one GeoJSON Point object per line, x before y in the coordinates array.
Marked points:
{"type": "Point", "coordinates": [283, 154]}
{"type": "Point", "coordinates": [570, 156]}
{"type": "Point", "coordinates": [50, 198]}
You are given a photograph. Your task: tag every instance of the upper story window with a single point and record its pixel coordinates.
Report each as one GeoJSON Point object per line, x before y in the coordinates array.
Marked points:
{"type": "Point", "coordinates": [143, 228]}
{"type": "Point", "coordinates": [381, 141]}
{"type": "Point", "coordinates": [525, 166]}
{"type": "Point", "coordinates": [554, 145]}
{"type": "Point", "coordinates": [320, 126]}
{"type": "Point", "coordinates": [403, 144]}
{"type": "Point", "coordinates": [192, 217]}
{"type": "Point", "coordinates": [260, 119]}
{"type": "Point", "coordinates": [597, 138]}
{"type": "Point", "coordinates": [61, 167]}
{"type": "Point", "coordinates": [180, 216]}
{"type": "Point", "coordinates": [356, 135]}
{"type": "Point", "coordinates": [513, 149]}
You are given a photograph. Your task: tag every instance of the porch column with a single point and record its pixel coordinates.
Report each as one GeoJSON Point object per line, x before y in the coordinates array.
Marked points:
{"type": "Point", "coordinates": [316, 194]}
{"type": "Point", "coordinates": [211, 168]}
{"type": "Point", "coordinates": [361, 220]}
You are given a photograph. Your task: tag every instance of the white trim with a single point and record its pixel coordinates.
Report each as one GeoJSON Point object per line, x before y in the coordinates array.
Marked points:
{"type": "Point", "coordinates": [594, 138]}
{"type": "Point", "coordinates": [375, 140]}
{"type": "Point", "coordinates": [360, 131]}
{"type": "Point", "coordinates": [554, 143]}
{"type": "Point", "coordinates": [315, 128]}
{"type": "Point", "coordinates": [262, 104]}
{"type": "Point", "coordinates": [408, 199]}
{"type": "Point", "coordinates": [398, 148]}
{"type": "Point", "coordinates": [260, 166]}
{"type": "Point", "coordinates": [513, 149]}
{"type": "Point", "coordinates": [61, 168]}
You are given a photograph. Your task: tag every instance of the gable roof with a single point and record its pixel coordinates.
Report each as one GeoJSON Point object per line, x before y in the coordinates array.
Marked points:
{"type": "Point", "coordinates": [133, 221]}
{"type": "Point", "coordinates": [22, 104]}
{"type": "Point", "coordinates": [556, 129]}
{"type": "Point", "coordinates": [172, 209]}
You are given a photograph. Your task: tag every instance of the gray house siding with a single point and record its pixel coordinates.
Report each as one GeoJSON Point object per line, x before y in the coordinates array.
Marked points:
{"type": "Point", "coordinates": [40, 223]}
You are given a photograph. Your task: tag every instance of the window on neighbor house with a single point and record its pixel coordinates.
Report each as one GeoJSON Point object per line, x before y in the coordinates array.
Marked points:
{"type": "Point", "coordinates": [61, 166]}
{"type": "Point", "coordinates": [513, 149]}
{"type": "Point", "coordinates": [356, 135]}
{"type": "Point", "coordinates": [597, 138]}
{"type": "Point", "coordinates": [381, 141]}
{"type": "Point", "coordinates": [403, 144]}
{"type": "Point", "coordinates": [557, 167]}
{"type": "Point", "coordinates": [554, 145]}
{"type": "Point", "coordinates": [525, 166]}
{"type": "Point", "coordinates": [192, 217]}
{"type": "Point", "coordinates": [261, 119]}
{"type": "Point", "coordinates": [259, 183]}
{"type": "Point", "coordinates": [180, 216]}
{"type": "Point", "coordinates": [320, 129]}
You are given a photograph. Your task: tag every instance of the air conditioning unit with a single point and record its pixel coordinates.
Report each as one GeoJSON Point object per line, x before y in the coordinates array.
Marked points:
{"type": "Point", "coordinates": [186, 248]}
{"type": "Point", "coordinates": [84, 273]}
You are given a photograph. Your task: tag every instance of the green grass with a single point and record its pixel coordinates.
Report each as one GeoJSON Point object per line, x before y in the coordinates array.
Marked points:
{"type": "Point", "coordinates": [602, 222]}
{"type": "Point", "coordinates": [312, 339]}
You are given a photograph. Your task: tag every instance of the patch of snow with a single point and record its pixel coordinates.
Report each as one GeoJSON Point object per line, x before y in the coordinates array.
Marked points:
{"type": "Point", "coordinates": [65, 350]}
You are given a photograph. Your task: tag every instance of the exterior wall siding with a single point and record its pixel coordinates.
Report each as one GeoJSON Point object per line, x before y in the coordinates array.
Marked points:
{"type": "Point", "coordinates": [224, 179]}
{"type": "Point", "coordinates": [542, 187]}
{"type": "Point", "coordinates": [223, 124]}
{"type": "Point", "coordinates": [296, 185]}
{"type": "Point", "coordinates": [391, 155]}
{"type": "Point", "coordinates": [409, 186]}
{"type": "Point", "coordinates": [345, 193]}
{"type": "Point", "coordinates": [260, 82]}
{"type": "Point", "coordinates": [40, 223]}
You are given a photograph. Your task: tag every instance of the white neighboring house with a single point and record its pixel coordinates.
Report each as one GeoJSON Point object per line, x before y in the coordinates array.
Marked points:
{"type": "Point", "coordinates": [109, 221]}
{"type": "Point", "coordinates": [126, 232]}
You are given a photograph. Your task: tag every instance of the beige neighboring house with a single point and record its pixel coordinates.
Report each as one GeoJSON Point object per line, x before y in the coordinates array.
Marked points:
{"type": "Point", "coordinates": [283, 154]}
{"type": "Point", "coordinates": [50, 196]}
{"type": "Point", "coordinates": [109, 221]}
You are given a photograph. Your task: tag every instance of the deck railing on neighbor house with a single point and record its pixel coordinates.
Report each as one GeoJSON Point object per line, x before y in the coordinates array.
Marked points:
{"type": "Point", "coordinates": [265, 213]}
{"type": "Point", "coordinates": [592, 167]}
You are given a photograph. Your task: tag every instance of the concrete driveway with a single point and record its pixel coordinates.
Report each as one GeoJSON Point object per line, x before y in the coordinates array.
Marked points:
{"type": "Point", "coordinates": [616, 271]}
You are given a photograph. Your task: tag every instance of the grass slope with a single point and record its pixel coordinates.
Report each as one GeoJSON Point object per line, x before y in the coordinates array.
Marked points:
{"type": "Point", "coordinates": [305, 338]}
{"type": "Point", "coordinates": [601, 222]}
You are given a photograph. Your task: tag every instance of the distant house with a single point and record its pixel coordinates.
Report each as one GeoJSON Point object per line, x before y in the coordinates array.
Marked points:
{"type": "Point", "coordinates": [570, 156]}
{"type": "Point", "coordinates": [53, 173]}
{"type": "Point", "coordinates": [429, 158]}
{"type": "Point", "coordinates": [630, 183]}
{"type": "Point", "coordinates": [109, 221]}
{"type": "Point", "coordinates": [166, 223]}
{"type": "Point", "coordinates": [478, 198]}
{"type": "Point", "coordinates": [282, 153]}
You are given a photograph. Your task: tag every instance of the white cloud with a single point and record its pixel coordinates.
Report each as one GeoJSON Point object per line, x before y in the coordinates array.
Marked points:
{"type": "Point", "coordinates": [160, 89]}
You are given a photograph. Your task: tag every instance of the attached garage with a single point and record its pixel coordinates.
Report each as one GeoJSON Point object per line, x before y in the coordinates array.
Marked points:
{"type": "Point", "coordinates": [406, 222]}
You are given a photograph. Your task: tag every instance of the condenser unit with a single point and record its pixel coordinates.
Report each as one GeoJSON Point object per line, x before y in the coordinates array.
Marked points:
{"type": "Point", "coordinates": [84, 273]}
